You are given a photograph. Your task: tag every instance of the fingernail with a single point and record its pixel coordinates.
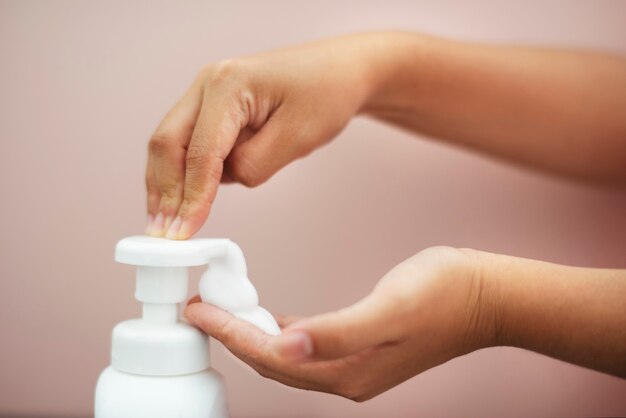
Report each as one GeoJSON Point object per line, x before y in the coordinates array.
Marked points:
{"type": "Point", "coordinates": [295, 345]}
{"type": "Point", "coordinates": [157, 226]}
{"type": "Point", "coordinates": [183, 230]}
{"type": "Point", "coordinates": [172, 231]}
{"type": "Point", "coordinates": [168, 222]}
{"type": "Point", "coordinates": [150, 222]}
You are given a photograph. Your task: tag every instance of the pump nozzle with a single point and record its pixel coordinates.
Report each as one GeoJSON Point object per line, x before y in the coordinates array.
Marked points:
{"type": "Point", "coordinates": [162, 277]}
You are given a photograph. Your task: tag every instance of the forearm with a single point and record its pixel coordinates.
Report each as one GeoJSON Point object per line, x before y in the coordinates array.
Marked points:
{"type": "Point", "coordinates": [561, 111]}
{"type": "Point", "coordinates": [574, 314]}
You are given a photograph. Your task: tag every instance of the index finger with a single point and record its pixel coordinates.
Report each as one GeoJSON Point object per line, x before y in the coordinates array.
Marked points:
{"type": "Point", "coordinates": [245, 340]}
{"type": "Point", "coordinates": [219, 122]}
{"type": "Point", "coordinates": [253, 346]}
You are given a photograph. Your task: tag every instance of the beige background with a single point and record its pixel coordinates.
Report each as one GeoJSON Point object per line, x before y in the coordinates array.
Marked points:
{"type": "Point", "coordinates": [83, 85]}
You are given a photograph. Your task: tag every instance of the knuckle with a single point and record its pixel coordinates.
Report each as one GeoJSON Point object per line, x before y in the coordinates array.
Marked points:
{"type": "Point", "coordinates": [160, 142]}
{"type": "Point", "coordinates": [234, 77]}
{"type": "Point", "coordinates": [440, 251]}
{"type": "Point", "coordinates": [224, 71]}
{"type": "Point", "coordinates": [442, 257]}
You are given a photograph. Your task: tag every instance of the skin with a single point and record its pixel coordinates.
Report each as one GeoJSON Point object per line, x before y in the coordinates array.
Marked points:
{"type": "Point", "coordinates": [437, 305]}
{"type": "Point", "coordinates": [559, 111]}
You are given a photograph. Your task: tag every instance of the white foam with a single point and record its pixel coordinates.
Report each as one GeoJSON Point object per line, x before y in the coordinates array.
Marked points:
{"type": "Point", "coordinates": [236, 294]}
{"type": "Point", "coordinates": [261, 318]}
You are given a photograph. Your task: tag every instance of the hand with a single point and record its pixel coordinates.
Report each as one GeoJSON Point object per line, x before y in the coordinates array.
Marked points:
{"type": "Point", "coordinates": [244, 119]}
{"type": "Point", "coordinates": [427, 310]}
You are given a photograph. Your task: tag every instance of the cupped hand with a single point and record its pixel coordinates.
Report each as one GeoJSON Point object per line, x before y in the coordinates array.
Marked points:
{"type": "Point", "coordinates": [427, 310]}
{"type": "Point", "coordinates": [244, 119]}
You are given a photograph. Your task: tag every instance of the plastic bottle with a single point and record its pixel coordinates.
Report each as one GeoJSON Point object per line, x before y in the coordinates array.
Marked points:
{"type": "Point", "coordinates": [160, 365]}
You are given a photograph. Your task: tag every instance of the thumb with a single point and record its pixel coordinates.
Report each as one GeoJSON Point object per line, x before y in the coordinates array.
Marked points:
{"type": "Point", "coordinates": [368, 323]}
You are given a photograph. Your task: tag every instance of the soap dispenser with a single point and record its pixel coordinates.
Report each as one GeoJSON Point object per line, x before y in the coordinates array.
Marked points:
{"type": "Point", "coordinates": [160, 365]}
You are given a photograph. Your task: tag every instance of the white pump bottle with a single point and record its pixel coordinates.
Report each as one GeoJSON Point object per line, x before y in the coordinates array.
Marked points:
{"type": "Point", "coordinates": [160, 365]}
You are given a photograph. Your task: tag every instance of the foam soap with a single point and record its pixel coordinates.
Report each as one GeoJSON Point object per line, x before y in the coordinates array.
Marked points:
{"type": "Point", "coordinates": [226, 285]}
{"type": "Point", "coordinates": [160, 365]}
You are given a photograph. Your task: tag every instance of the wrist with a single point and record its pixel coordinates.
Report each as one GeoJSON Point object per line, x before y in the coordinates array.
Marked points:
{"type": "Point", "coordinates": [472, 296]}
{"type": "Point", "coordinates": [571, 313]}
{"type": "Point", "coordinates": [511, 282]}
{"type": "Point", "coordinates": [397, 64]}
{"type": "Point", "coordinates": [485, 301]}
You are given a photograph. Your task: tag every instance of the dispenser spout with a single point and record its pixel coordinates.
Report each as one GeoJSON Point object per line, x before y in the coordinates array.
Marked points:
{"type": "Point", "coordinates": [162, 277]}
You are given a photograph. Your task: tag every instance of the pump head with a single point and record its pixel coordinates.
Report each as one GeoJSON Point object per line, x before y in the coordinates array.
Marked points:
{"type": "Point", "coordinates": [158, 344]}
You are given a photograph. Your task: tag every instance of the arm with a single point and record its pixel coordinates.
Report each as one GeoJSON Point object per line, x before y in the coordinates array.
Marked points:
{"type": "Point", "coordinates": [244, 119]}
{"type": "Point", "coordinates": [574, 314]}
{"type": "Point", "coordinates": [439, 304]}
{"type": "Point", "coordinates": [558, 110]}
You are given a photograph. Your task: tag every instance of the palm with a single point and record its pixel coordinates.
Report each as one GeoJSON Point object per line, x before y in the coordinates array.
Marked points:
{"type": "Point", "coordinates": [416, 318]}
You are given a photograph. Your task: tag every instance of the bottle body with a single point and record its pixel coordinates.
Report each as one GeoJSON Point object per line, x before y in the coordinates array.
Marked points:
{"type": "Point", "coordinates": [195, 395]}
{"type": "Point", "coordinates": [160, 364]}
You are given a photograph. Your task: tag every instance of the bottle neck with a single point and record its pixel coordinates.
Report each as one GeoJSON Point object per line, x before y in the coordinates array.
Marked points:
{"type": "Point", "coordinates": [160, 313]}
{"type": "Point", "coordinates": [161, 289]}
